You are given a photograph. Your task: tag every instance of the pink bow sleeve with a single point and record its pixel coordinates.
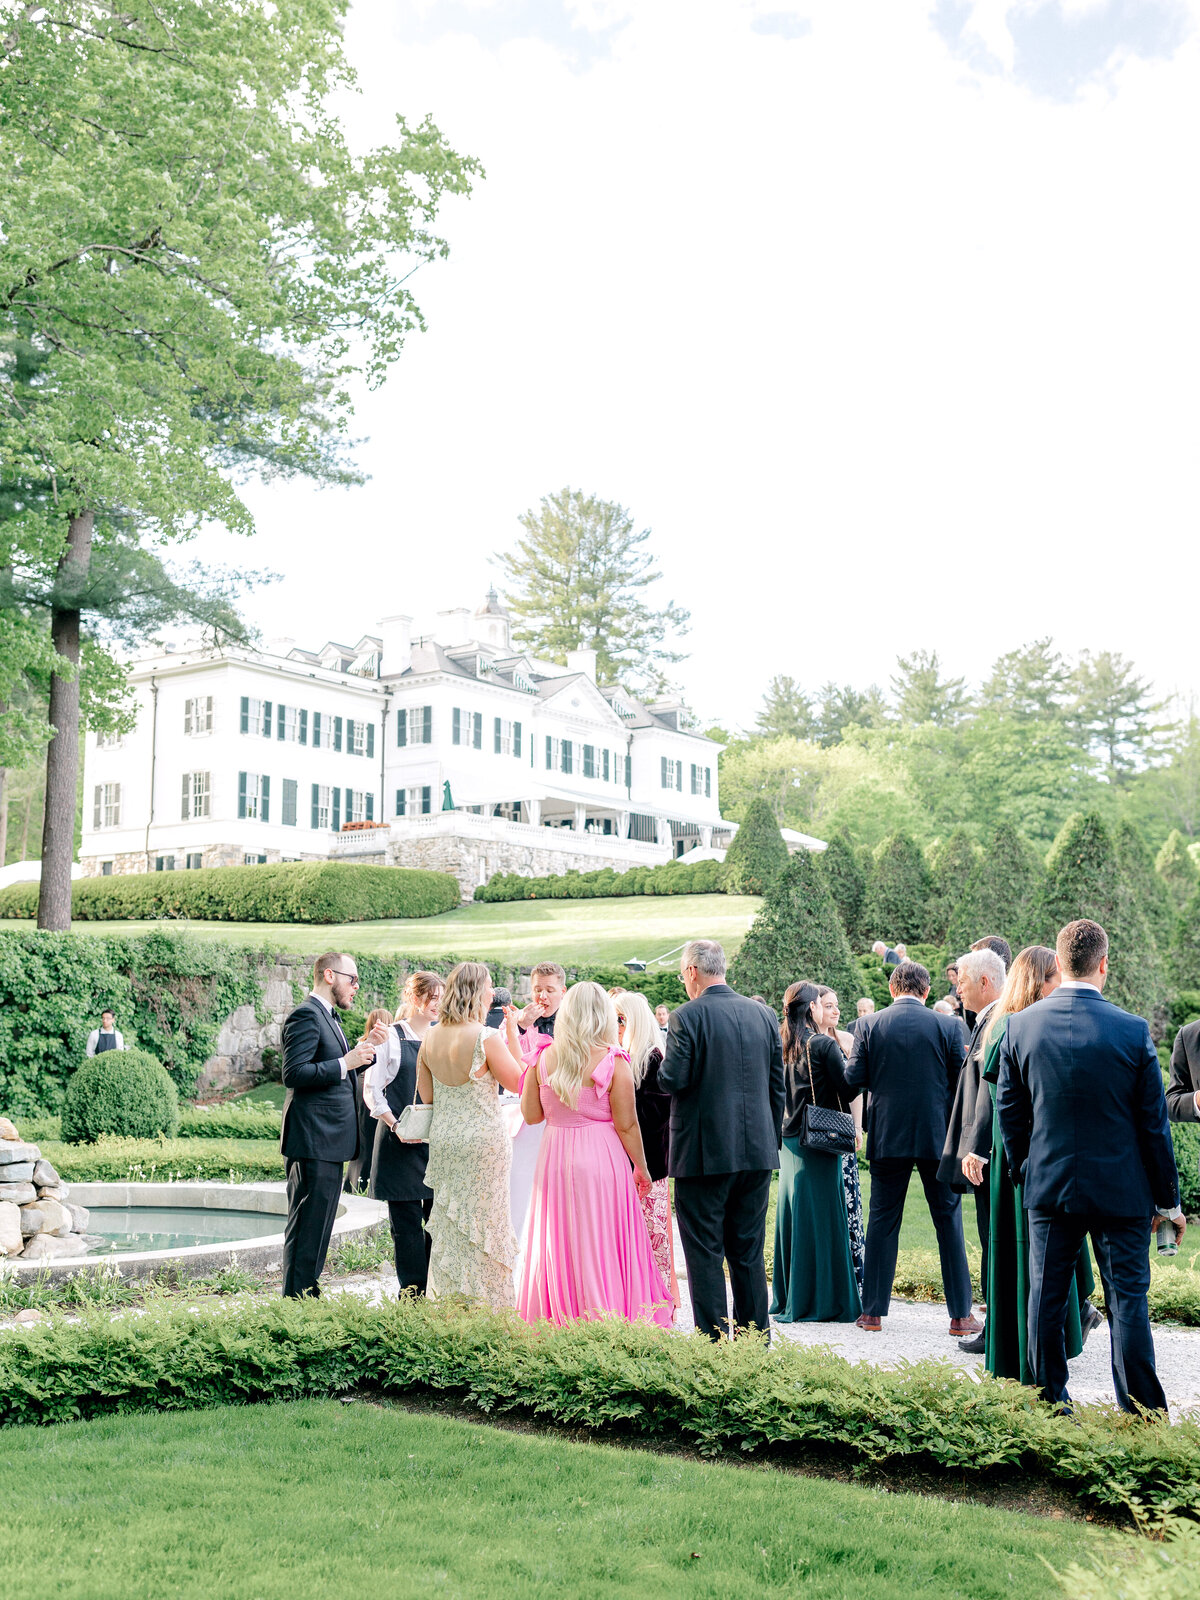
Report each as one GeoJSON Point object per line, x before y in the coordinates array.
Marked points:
{"type": "Point", "coordinates": [602, 1073]}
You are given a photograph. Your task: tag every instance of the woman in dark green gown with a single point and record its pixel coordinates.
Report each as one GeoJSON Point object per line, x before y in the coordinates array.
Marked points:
{"type": "Point", "coordinates": [1034, 975]}
{"type": "Point", "coordinates": [813, 1279]}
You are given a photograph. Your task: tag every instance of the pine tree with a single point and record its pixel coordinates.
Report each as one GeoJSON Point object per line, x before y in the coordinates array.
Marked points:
{"type": "Point", "coordinates": [756, 854]}
{"type": "Point", "coordinates": [786, 712]}
{"type": "Point", "coordinates": [952, 865]}
{"type": "Point", "coordinates": [898, 895]}
{"type": "Point", "coordinates": [1177, 870]}
{"type": "Point", "coordinates": [1084, 879]}
{"type": "Point", "coordinates": [797, 934]}
{"type": "Point", "coordinates": [1140, 880]}
{"type": "Point", "coordinates": [1001, 895]}
{"type": "Point", "coordinates": [846, 882]}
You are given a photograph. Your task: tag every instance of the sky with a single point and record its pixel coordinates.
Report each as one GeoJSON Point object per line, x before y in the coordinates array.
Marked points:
{"type": "Point", "coordinates": [881, 314]}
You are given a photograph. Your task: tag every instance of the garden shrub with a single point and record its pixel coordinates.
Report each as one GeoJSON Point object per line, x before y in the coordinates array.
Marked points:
{"type": "Point", "coordinates": [797, 934]}
{"type": "Point", "coordinates": [1175, 866]}
{"type": "Point", "coordinates": [294, 891]}
{"type": "Point", "coordinates": [1186, 1138]}
{"type": "Point", "coordinates": [846, 881]}
{"type": "Point", "coordinates": [168, 1161]}
{"type": "Point", "coordinates": [952, 865]}
{"type": "Point", "coordinates": [232, 1119]}
{"type": "Point", "coordinates": [1140, 882]}
{"type": "Point", "coordinates": [126, 1093]}
{"type": "Point", "coordinates": [672, 877]}
{"type": "Point", "coordinates": [741, 1396]}
{"type": "Point", "coordinates": [899, 891]}
{"type": "Point", "coordinates": [1185, 948]}
{"type": "Point", "coordinates": [663, 987]}
{"type": "Point", "coordinates": [1000, 895]}
{"type": "Point", "coordinates": [756, 854]}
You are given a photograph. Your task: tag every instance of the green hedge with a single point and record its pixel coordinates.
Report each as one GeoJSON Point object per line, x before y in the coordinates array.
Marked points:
{"type": "Point", "coordinates": [235, 1119]}
{"type": "Point", "coordinates": [123, 1094]}
{"type": "Point", "coordinates": [294, 891]}
{"type": "Point", "coordinates": [612, 1375]}
{"type": "Point", "coordinates": [168, 1161]}
{"type": "Point", "coordinates": [673, 877]}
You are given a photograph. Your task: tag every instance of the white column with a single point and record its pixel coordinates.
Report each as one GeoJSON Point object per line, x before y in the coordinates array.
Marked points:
{"type": "Point", "coordinates": [664, 832]}
{"type": "Point", "coordinates": [580, 818]}
{"type": "Point", "coordinates": [533, 811]}
{"type": "Point", "coordinates": [622, 824]}
{"type": "Point", "coordinates": [706, 835]}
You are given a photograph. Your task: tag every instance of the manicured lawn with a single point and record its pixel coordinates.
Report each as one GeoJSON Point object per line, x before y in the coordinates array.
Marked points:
{"type": "Point", "coordinates": [520, 932]}
{"type": "Point", "coordinates": [317, 1498]}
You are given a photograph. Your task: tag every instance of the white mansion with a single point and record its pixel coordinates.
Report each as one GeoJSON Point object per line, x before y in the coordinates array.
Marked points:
{"type": "Point", "coordinates": [451, 752]}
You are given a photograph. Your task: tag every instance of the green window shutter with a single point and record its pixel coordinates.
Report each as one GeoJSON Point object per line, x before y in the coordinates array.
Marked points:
{"type": "Point", "coordinates": [663, 771]}
{"type": "Point", "coordinates": [516, 738]}
{"type": "Point", "coordinates": [96, 807]}
{"type": "Point", "coordinates": [370, 808]}
{"type": "Point", "coordinates": [316, 805]}
{"type": "Point", "coordinates": [316, 730]}
{"type": "Point", "coordinates": [402, 726]}
{"type": "Point", "coordinates": [399, 802]}
{"type": "Point", "coordinates": [241, 794]}
{"type": "Point", "coordinates": [349, 736]}
{"type": "Point", "coordinates": [288, 813]}
{"type": "Point", "coordinates": [496, 736]}
{"type": "Point", "coordinates": [370, 738]}
{"type": "Point", "coordinates": [280, 719]}
{"type": "Point", "coordinates": [427, 725]}
{"type": "Point", "coordinates": [708, 783]}
{"type": "Point", "coordinates": [304, 727]}
{"type": "Point", "coordinates": [568, 756]}
{"type": "Point", "coordinates": [245, 713]}
{"type": "Point", "coordinates": [549, 752]}
{"type": "Point", "coordinates": [456, 726]}
{"type": "Point", "coordinates": [426, 799]}
{"type": "Point", "coordinates": [477, 730]}
{"type": "Point", "coordinates": [336, 802]}
{"type": "Point", "coordinates": [264, 799]}
{"type": "Point", "coordinates": [187, 796]}
{"type": "Point", "coordinates": [266, 719]}
{"type": "Point", "coordinates": [679, 774]}
{"type": "Point", "coordinates": [628, 770]}
{"type": "Point", "coordinates": [337, 733]}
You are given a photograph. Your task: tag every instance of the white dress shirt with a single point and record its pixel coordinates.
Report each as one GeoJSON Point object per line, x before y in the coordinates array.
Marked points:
{"type": "Point", "coordinates": [321, 999]}
{"type": "Point", "coordinates": [383, 1069]}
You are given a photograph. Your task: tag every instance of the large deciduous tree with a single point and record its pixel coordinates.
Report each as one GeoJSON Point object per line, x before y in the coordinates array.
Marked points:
{"type": "Point", "coordinates": [201, 265]}
{"type": "Point", "coordinates": [578, 581]}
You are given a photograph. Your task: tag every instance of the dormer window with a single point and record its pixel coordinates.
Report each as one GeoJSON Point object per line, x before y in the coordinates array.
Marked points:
{"type": "Point", "coordinates": [622, 710]}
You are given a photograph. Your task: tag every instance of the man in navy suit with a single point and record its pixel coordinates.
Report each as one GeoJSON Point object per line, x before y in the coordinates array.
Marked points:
{"type": "Point", "coordinates": [908, 1061]}
{"type": "Point", "coordinates": [1083, 1117]}
{"type": "Point", "coordinates": [320, 1117]}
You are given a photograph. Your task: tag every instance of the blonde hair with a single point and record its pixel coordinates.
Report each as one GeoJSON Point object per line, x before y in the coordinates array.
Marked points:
{"type": "Point", "coordinates": [642, 1033]}
{"type": "Point", "coordinates": [380, 1014]}
{"type": "Point", "coordinates": [467, 992]}
{"type": "Point", "coordinates": [1027, 978]}
{"type": "Point", "coordinates": [586, 1018]}
{"type": "Point", "coordinates": [419, 989]}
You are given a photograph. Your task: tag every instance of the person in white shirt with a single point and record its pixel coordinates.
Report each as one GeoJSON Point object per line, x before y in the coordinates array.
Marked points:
{"type": "Point", "coordinates": [106, 1037]}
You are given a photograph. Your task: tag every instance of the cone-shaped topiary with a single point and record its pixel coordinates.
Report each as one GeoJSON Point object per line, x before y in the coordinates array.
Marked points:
{"type": "Point", "coordinates": [757, 853]}
{"type": "Point", "coordinates": [898, 894]}
{"type": "Point", "coordinates": [797, 934]}
{"type": "Point", "coordinates": [953, 862]}
{"type": "Point", "coordinates": [1177, 870]}
{"type": "Point", "coordinates": [1185, 947]}
{"type": "Point", "coordinates": [123, 1092]}
{"type": "Point", "coordinates": [1083, 879]}
{"type": "Point", "coordinates": [1141, 881]}
{"type": "Point", "coordinates": [846, 882]}
{"type": "Point", "coordinates": [1001, 895]}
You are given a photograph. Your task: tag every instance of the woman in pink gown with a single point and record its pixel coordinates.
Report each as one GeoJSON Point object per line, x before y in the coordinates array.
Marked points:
{"type": "Point", "coordinates": [587, 1248]}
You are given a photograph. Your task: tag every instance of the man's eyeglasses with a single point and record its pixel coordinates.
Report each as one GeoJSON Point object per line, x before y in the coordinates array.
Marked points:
{"type": "Point", "coordinates": [355, 980]}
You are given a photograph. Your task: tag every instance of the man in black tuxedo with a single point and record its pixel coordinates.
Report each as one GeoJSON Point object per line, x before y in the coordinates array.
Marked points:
{"type": "Point", "coordinates": [1183, 1091]}
{"type": "Point", "coordinates": [1084, 1123]}
{"type": "Point", "coordinates": [320, 1117]}
{"type": "Point", "coordinates": [724, 1072]}
{"type": "Point", "coordinates": [908, 1061]}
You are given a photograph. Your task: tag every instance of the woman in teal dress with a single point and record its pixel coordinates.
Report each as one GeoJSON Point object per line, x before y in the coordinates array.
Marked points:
{"type": "Point", "coordinates": [1034, 974]}
{"type": "Point", "coordinates": [814, 1271]}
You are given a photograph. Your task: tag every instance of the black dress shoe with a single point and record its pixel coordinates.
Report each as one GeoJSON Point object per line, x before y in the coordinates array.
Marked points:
{"type": "Point", "coordinates": [975, 1346]}
{"type": "Point", "coordinates": [1089, 1321]}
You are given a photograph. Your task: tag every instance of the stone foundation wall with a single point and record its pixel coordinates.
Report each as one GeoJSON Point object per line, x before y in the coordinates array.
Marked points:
{"type": "Point", "coordinates": [473, 861]}
{"type": "Point", "coordinates": [237, 1063]}
{"type": "Point", "coordinates": [216, 855]}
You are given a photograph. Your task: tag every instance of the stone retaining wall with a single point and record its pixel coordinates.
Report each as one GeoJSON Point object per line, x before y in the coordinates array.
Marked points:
{"type": "Point", "coordinates": [473, 861]}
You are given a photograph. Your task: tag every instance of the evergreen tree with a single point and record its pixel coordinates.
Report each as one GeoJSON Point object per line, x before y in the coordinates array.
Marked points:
{"type": "Point", "coordinates": [786, 711]}
{"type": "Point", "coordinates": [846, 882]}
{"type": "Point", "coordinates": [1177, 870]}
{"type": "Point", "coordinates": [923, 695]}
{"type": "Point", "coordinates": [756, 854]}
{"type": "Point", "coordinates": [1084, 879]}
{"type": "Point", "coordinates": [1185, 947]}
{"type": "Point", "coordinates": [898, 895]}
{"type": "Point", "coordinates": [1140, 880]}
{"type": "Point", "coordinates": [1000, 896]}
{"type": "Point", "coordinates": [1113, 710]}
{"type": "Point", "coordinates": [952, 865]}
{"type": "Point", "coordinates": [578, 579]}
{"type": "Point", "coordinates": [1029, 685]}
{"type": "Point", "coordinates": [840, 706]}
{"type": "Point", "coordinates": [797, 934]}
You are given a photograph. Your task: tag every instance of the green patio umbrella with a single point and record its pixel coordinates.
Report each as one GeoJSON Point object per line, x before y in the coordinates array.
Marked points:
{"type": "Point", "coordinates": [447, 797]}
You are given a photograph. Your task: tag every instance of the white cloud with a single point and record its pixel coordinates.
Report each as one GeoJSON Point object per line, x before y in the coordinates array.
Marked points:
{"type": "Point", "coordinates": [887, 350]}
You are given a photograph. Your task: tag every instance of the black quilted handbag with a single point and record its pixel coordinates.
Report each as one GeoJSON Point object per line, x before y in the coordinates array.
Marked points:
{"type": "Point", "coordinates": [821, 1129]}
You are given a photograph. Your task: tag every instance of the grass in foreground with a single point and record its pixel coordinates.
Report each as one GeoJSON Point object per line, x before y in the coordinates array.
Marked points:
{"type": "Point", "coordinates": [314, 1498]}
{"type": "Point", "coordinates": [520, 932]}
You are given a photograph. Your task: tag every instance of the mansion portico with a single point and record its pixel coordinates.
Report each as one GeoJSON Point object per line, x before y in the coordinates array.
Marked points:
{"type": "Point", "coordinates": [449, 749]}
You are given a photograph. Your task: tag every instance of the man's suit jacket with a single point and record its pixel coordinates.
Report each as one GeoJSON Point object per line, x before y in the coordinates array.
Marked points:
{"type": "Point", "coordinates": [1082, 1110]}
{"type": "Point", "coordinates": [320, 1120]}
{"type": "Point", "coordinates": [724, 1072]}
{"type": "Point", "coordinates": [908, 1061]}
{"type": "Point", "coordinates": [969, 1130]}
{"type": "Point", "coordinates": [1185, 1075]}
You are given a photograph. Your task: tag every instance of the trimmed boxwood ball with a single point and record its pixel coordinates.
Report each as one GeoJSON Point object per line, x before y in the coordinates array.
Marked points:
{"type": "Point", "coordinates": [121, 1092]}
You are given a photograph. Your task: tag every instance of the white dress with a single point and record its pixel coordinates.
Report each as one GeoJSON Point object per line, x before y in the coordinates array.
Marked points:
{"type": "Point", "coordinates": [473, 1248]}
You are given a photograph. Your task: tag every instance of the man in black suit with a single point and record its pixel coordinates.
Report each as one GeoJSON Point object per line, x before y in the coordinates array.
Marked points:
{"type": "Point", "coordinates": [320, 1117]}
{"type": "Point", "coordinates": [1084, 1123]}
{"type": "Point", "coordinates": [1183, 1091]}
{"type": "Point", "coordinates": [724, 1072]}
{"type": "Point", "coordinates": [908, 1061]}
